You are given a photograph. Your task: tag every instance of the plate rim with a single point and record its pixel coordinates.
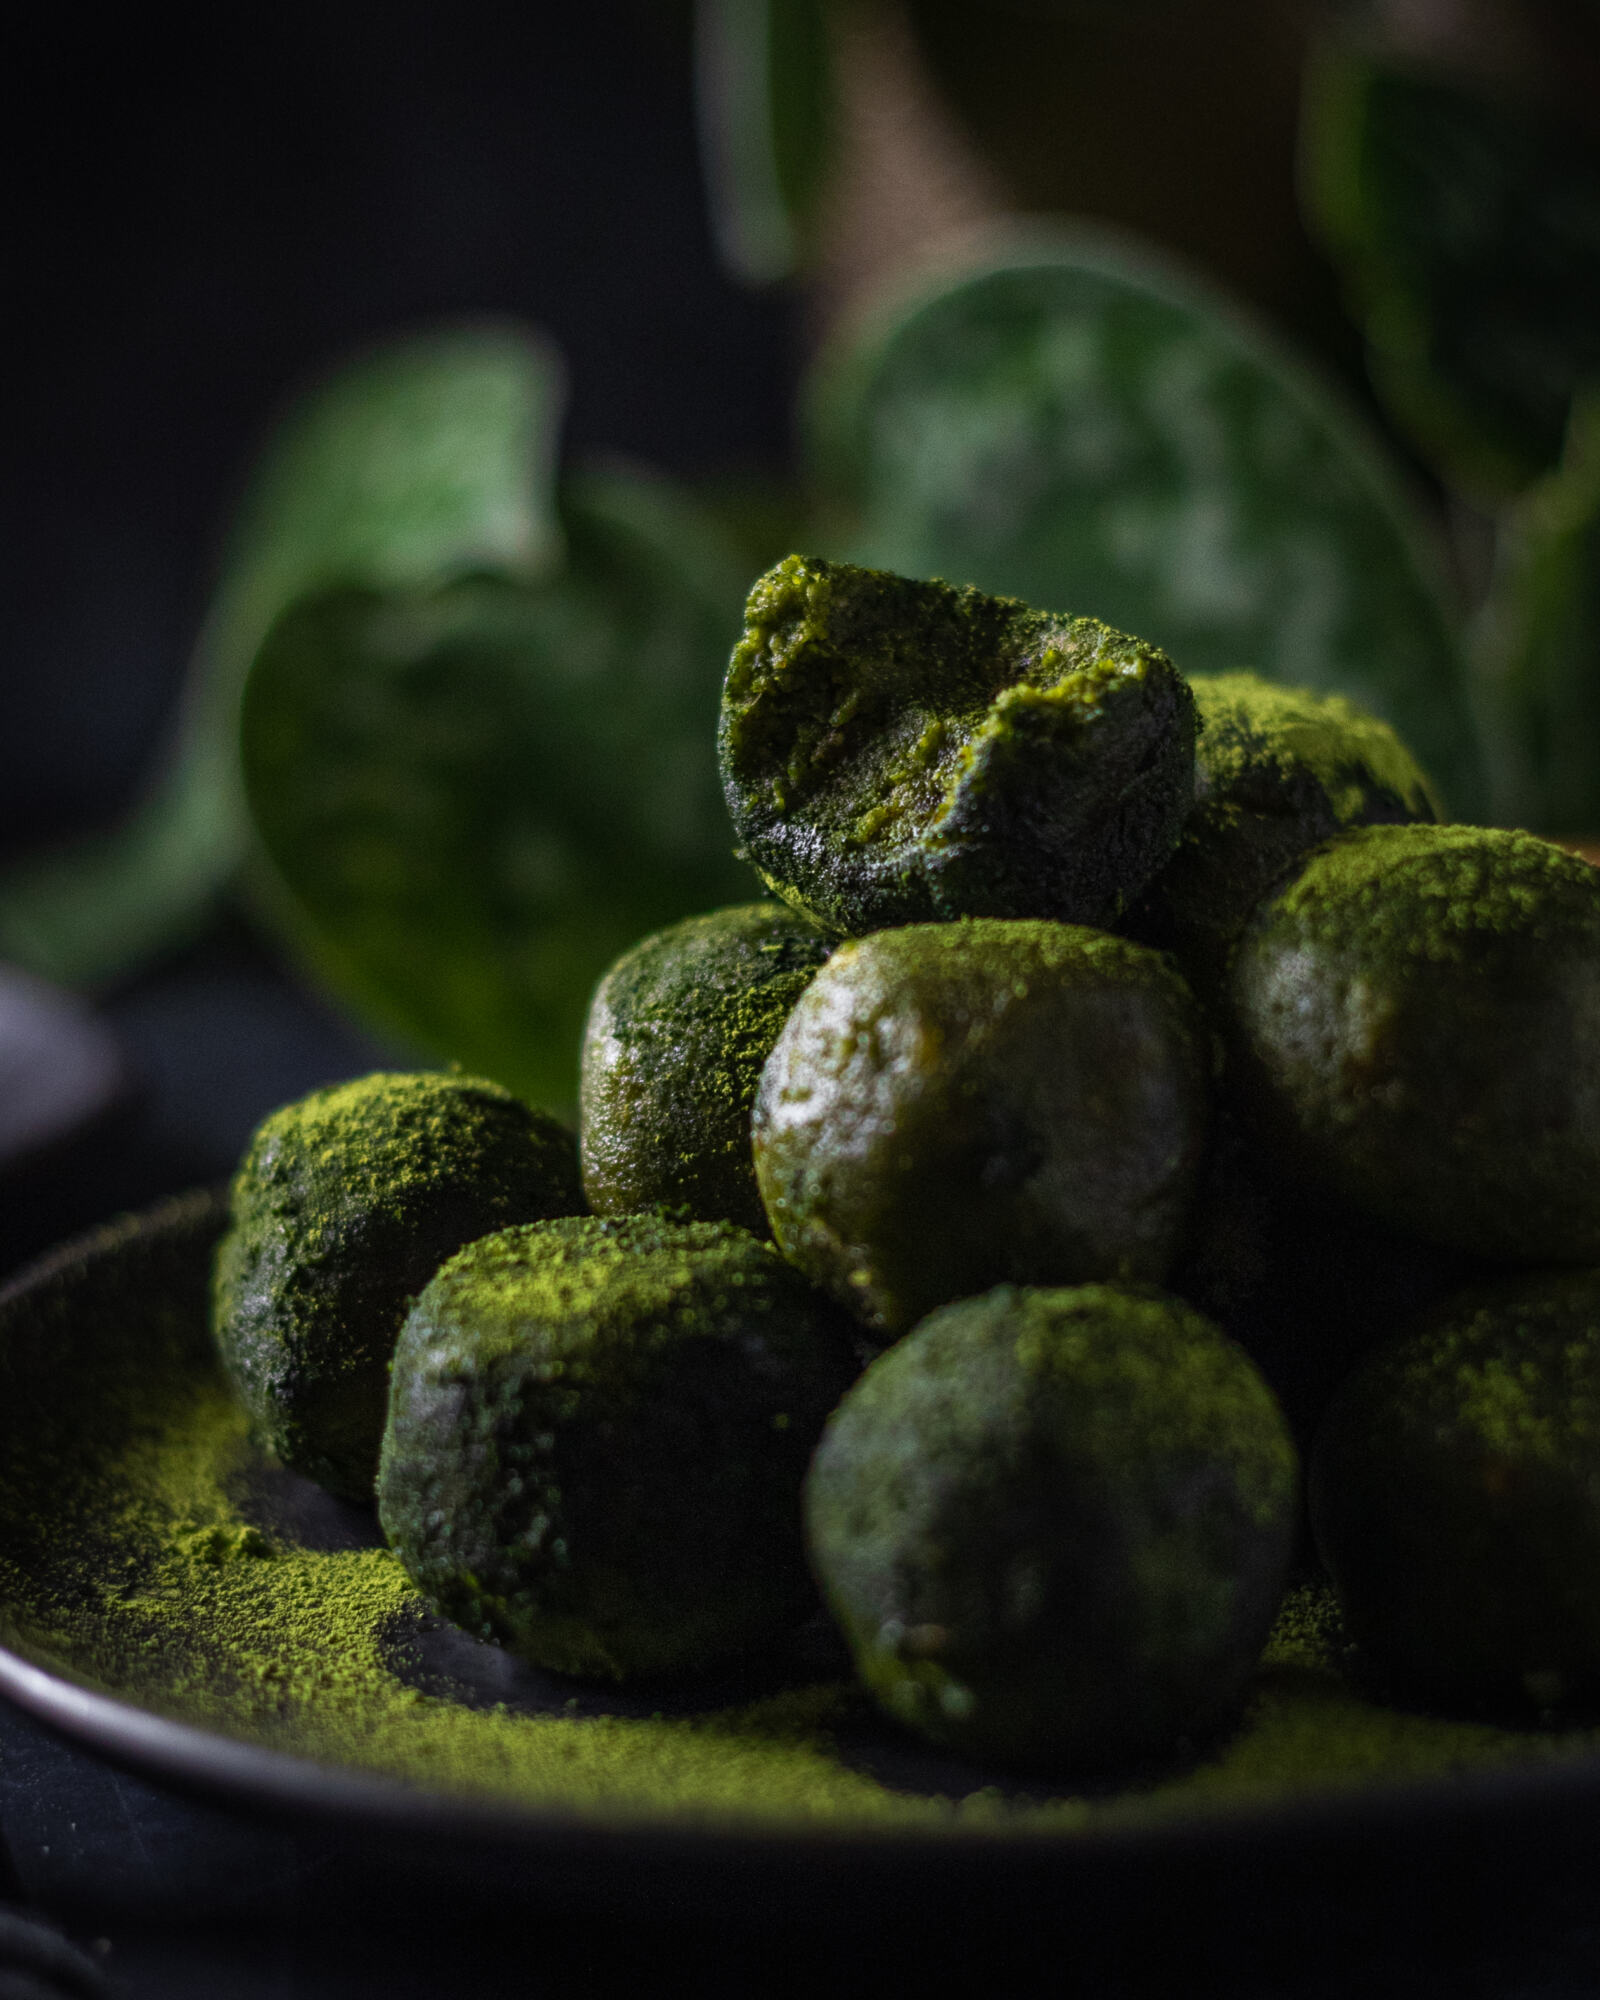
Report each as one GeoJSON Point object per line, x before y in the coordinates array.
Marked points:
{"type": "Point", "coordinates": [235, 1772]}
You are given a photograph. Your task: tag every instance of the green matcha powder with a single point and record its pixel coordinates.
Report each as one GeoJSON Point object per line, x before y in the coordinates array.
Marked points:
{"type": "Point", "coordinates": [130, 1562]}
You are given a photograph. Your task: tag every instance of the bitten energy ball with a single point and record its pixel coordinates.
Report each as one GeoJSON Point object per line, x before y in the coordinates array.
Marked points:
{"type": "Point", "coordinates": [1415, 1022]}
{"type": "Point", "coordinates": [678, 1033]}
{"type": "Point", "coordinates": [344, 1206]}
{"type": "Point", "coordinates": [897, 752]}
{"type": "Point", "coordinates": [1055, 1525]}
{"type": "Point", "coordinates": [1455, 1496]}
{"type": "Point", "coordinates": [1278, 771]}
{"type": "Point", "coordinates": [952, 1106]}
{"type": "Point", "coordinates": [597, 1436]}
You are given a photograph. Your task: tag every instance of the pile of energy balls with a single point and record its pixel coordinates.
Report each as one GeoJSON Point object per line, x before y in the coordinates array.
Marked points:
{"type": "Point", "coordinates": [1133, 1089]}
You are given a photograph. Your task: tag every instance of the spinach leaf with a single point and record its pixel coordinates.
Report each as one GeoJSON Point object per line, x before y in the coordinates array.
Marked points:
{"type": "Point", "coordinates": [429, 456]}
{"type": "Point", "coordinates": [473, 798]}
{"type": "Point", "coordinates": [1073, 424]}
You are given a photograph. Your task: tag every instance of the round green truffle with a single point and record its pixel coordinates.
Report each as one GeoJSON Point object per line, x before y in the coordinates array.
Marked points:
{"type": "Point", "coordinates": [953, 1106]}
{"type": "Point", "coordinates": [1414, 1022]}
{"type": "Point", "coordinates": [1277, 771]}
{"type": "Point", "coordinates": [678, 1033]}
{"type": "Point", "coordinates": [1055, 1525]}
{"type": "Point", "coordinates": [897, 752]}
{"type": "Point", "coordinates": [344, 1206]}
{"type": "Point", "coordinates": [1455, 1496]}
{"type": "Point", "coordinates": [598, 1430]}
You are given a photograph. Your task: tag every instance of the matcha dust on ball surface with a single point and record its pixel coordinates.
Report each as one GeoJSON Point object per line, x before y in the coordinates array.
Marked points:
{"type": "Point", "coordinates": [344, 1206]}
{"type": "Point", "coordinates": [1455, 1496]}
{"type": "Point", "coordinates": [597, 1436]}
{"type": "Point", "coordinates": [1277, 771]}
{"type": "Point", "coordinates": [1055, 1525]}
{"type": "Point", "coordinates": [953, 1106]}
{"type": "Point", "coordinates": [678, 1032]}
{"type": "Point", "coordinates": [1414, 1022]}
{"type": "Point", "coordinates": [898, 752]}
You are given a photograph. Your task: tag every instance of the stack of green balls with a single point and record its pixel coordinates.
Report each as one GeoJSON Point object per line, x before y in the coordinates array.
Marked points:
{"type": "Point", "coordinates": [1125, 1061]}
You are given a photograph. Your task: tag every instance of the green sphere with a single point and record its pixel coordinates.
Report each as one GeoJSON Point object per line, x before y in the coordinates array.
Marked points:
{"type": "Point", "coordinates": [678, 1032]}
{"type": "Point", "coordinates": [1414, 1023]}
{"type": "Point", "coordinates": [1277, 771]}
{"type": "Point", "coordinates": [1455, 1497]}
{"type": "Point", "coordinates": [898, 752]}
{"type": "Point", "coordinates": [1055, 1526]}
{"type": "Point", "coordinates": [343, 1207]}
{"type": "Point", "coordinates": [954, 1106]}
{"type": "Point", "coordinates": [597, 1436]}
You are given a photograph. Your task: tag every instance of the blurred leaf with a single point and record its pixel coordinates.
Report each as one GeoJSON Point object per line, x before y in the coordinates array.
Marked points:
{"type": "Point", "coordinates": [473, 799]}
{"type": "Point", "coordinates": [1469, 234]}
{"type": "Point", "coordinates": [765, 105]}
{"type": "Point", "coordinates": [428, 457]}
{"type": "Point", "coordinates": [1538, 645]}
{"type": "Point", "coordinates": [762, 519]}
{"type": "Point", "coordinates": [1069, 423]}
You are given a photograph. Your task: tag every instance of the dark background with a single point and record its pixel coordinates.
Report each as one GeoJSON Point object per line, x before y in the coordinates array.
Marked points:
{"type": "Point", "coordinates": [210, 206]}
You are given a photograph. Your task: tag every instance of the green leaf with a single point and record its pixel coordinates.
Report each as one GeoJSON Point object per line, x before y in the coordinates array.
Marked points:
{"type": "Point", "coordinates": [1469, 233]}
{"type": "Point", "coordinates": [764, 95]}
{"type": "Point", "coordinates": [1072, 424]}
{"type": "Point", "coordinates": [1538, 645]}
{"type": "Point", "coordinates": [473, 799]}
{"type": "Point", "coordinates": [431, 456]}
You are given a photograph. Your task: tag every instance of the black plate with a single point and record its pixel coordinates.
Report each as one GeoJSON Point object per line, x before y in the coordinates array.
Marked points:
{"type": "Point", "coordinates": [769, 1785]}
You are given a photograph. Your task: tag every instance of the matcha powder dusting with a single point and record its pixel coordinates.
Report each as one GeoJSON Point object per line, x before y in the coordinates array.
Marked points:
{"type": "Point", "coordinates": [148, 1551]}
{"type": "Point", "coordinates": [190, 1609]}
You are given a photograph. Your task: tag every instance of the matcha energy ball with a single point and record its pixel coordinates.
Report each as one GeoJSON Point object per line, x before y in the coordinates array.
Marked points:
{"type": "Point", "coordinates": [1455, 1495]}
{"type": "Point", "coordinates": [1055, 1525]}
{"type": "Point", "coordinates": [678, 1033]}
{"type": "Point", "coordinates": [1278, 770]}
{"type": "Point", "coordinates": [1414, 1022]}
{"type": "Point", "coordinates": [896, 752]}
{"type": "Point", "coordinates": [953, 1106]}
{"type": "Point", "coordinates": [598, 1431]}
{"type": "Point", "coordinates": [344, 1206]}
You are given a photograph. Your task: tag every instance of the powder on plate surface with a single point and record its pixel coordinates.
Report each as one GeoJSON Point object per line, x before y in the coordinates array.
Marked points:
{"type": "Point", "coordinates": [158, 1573]}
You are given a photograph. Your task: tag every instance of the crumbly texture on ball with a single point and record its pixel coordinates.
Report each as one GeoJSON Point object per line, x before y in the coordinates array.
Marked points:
{"type": "Point", "coordinates": [1278, 771]}
{"type": "Point", "coordinates": [597, 1435]}
{"type": "Point", "coordinates": [1055, 1525]}
{"type": "Point", "coordinates": [902, 752]}
{"type": "Point", "coordinates": [1414, 1022]}
{"type": "Point", "coordinates": [1455, 1500]}
{"type": "Point", "coordinates": [343, 1207]}
{"type": "Point", "coordinates": [678, 1033]}
{"type": "Point", "coordinates": [952, 1106]}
